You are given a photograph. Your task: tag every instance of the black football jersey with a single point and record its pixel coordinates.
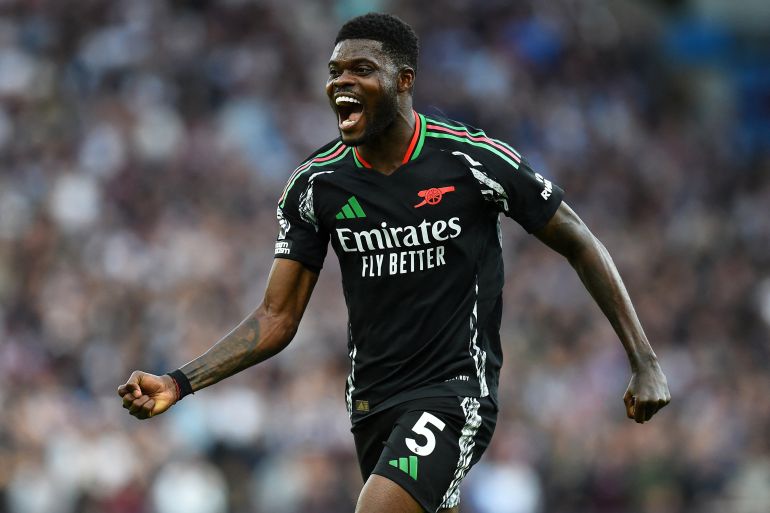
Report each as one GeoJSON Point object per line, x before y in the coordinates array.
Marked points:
{"type": "Point", "coordinates": [420, 255]}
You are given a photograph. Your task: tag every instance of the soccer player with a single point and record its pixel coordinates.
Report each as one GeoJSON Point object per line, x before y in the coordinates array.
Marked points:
{"type": "Point", "coordinates": [410, 204]}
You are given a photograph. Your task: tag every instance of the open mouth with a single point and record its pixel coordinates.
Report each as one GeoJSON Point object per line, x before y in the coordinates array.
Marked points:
{"type": "Point", "coordinates": [349, 111]}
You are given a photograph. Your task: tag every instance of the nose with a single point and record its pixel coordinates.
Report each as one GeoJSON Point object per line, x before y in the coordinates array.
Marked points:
{"type": "Point", "coordinates": [343, 79]}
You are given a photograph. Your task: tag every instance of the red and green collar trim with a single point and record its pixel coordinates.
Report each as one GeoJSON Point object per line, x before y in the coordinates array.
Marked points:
{"type": "Point", "coordinates": [415, 144]}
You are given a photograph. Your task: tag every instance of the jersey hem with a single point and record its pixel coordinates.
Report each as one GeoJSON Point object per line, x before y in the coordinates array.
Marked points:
{"type": "Point", "coordinates": [437, 390]}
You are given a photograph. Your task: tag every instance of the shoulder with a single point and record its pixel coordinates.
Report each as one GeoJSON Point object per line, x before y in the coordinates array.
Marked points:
{"type": "Point", "coordinates": [452, 135]}
{"type": "Point", "coordinates": [325, 159]}
{"type": "Point", "coordinates": [326, 150]}
{"type": "Point", "coordinates": [328, 155]}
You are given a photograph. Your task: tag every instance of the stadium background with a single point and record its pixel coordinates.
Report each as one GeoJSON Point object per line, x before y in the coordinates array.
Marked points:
{"type": "Point", "coordinates": [142, 148]}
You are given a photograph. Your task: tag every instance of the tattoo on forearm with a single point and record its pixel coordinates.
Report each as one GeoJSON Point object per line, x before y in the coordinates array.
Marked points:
{"type": "Point", "coordinates": [238, 350]}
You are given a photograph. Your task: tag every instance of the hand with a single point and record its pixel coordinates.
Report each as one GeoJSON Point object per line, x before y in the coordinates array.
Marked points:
{"type": "Point", "coordinates": [647, 393]}
{"type": "Point", "coordinates": [146, 395]}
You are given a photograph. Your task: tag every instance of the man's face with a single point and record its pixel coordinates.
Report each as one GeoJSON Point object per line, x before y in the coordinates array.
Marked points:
{"type": "Point", "coordinates": [362, 90]}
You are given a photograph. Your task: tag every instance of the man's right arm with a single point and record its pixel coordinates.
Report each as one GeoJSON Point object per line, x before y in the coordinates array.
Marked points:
{"type": "Point", "coordinates": [261, 335]}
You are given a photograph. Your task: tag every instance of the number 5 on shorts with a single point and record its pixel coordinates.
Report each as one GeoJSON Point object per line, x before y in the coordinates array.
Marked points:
{"type": "Point", "coordinates": [421, 428]}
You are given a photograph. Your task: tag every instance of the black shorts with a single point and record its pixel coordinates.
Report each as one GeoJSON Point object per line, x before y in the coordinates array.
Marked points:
{"type": "Point", "coordinates": [426, 445]}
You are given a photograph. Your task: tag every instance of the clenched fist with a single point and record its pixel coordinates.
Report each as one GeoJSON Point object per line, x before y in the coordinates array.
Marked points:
{"type": "Point", "coordinates": [646, 394]}
{"type": "Point", "coordinates": [146, 395]}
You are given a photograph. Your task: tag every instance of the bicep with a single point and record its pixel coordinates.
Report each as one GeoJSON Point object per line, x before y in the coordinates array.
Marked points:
{"type": "Point", "coordinates": [566, 233]}
{"type": "Point", "coordinates": [288, 290]}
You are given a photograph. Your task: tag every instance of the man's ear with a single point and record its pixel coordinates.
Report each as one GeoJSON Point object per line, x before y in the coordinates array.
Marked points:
{"type": "Point", "coordinates": [405, 79]}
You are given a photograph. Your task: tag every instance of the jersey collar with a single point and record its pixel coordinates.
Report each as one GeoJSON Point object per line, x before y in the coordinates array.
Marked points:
{"type": "Point", "coordinates": [415, 144]}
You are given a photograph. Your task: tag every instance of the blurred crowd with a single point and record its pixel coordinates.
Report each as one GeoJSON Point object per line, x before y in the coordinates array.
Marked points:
{"type": "Point", "coordinates": [144, 143]}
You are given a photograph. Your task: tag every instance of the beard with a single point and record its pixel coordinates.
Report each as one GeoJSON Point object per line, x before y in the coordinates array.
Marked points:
{"type": "Point", "coordinates": [379, 118]}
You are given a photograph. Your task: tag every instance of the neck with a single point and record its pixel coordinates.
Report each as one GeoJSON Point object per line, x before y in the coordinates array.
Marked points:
{"type": "Point", "coordinates": [386, 152]}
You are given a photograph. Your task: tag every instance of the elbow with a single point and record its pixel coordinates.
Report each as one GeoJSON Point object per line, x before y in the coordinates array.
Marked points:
{"type": "Point", "coordinates": [277, 330]}
{"type": "Point", "coordinates": [285, 330]}
{"type": "Point", "coordinates": [584, 245]}
{"type": "Point", "coordinates": [589, 253]}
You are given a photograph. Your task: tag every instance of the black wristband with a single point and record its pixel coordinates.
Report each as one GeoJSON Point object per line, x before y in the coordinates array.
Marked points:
{"type": "Point", "coordinates": [184, 384]}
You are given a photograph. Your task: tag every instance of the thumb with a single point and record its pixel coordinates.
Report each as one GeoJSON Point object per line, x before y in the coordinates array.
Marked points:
{"type": "Point", "coordinates": [630, 402]}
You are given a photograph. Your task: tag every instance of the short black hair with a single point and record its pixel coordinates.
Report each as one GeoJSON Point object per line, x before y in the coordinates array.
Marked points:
{"type": "Point", "coordinates": [399, 40]}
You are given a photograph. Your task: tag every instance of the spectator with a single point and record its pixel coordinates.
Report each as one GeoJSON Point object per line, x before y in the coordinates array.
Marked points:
{"type": "Point", "coordinates": [144, 145]}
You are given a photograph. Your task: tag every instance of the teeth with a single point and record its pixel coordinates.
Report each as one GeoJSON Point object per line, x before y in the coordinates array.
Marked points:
{"type": "Point", "coordinates": [341, 99]}
{"type": "Point", "coordinates": [347, 123]}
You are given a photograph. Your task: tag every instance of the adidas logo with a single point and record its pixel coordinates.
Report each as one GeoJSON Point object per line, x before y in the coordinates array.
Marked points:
{"type": "Point", "coordinates": [408, 465]}
{"type": "Point", "coordinates": [351, 210]}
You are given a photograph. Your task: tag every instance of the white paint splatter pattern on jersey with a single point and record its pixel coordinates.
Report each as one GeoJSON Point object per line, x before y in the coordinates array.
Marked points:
{"type": "Point", "coordinates": [350, 386]}
{"type": "Point", "coordinates": [470, 406]}
{"type": "Point", "coordinates": [306, 209]}
{"type": "Point", "coordinates": [479, 356]}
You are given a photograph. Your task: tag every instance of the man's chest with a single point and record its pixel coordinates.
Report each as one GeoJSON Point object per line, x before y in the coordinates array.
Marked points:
{"type": "Point", "coordinates": [415, 220]}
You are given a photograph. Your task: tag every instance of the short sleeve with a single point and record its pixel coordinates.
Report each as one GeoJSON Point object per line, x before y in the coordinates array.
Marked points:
{"type": "Point", "coordinates": [300, 237]}
{"type": "Point", "coordinates": [510, 184]}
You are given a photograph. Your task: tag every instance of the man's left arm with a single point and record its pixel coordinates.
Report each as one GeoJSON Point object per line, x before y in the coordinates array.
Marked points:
{"type": "Point", "coordinates": [566, 233]}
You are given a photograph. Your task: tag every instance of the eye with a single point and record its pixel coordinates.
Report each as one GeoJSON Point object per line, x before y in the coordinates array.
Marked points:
{"type": "Point", "coordinates": [362, 70]}
{"type": "Point", "coordinates": [333, 73]}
